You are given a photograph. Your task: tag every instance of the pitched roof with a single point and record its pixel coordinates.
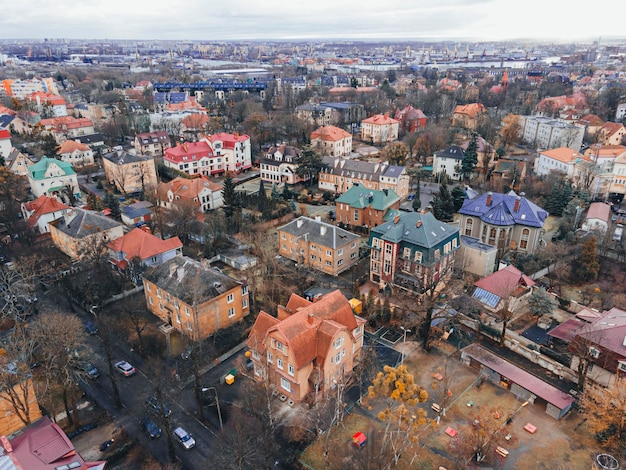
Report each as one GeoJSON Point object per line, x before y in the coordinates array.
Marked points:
{"type": "Point", "coordinates": [193, 150]}
{"type": "Point", "coordinates": [188, 189]}
{"type": "Point", "coordinates": [359, 197]}
{"type": "Point", "coordinates": [80, 223]}
{"type": "Point", "coordinates": [39, 169]}
{"type": "Point", "coordinates": [371, 171]}
{"type": "Point", "coordinates": [228, 140]}
{"type": "Point", "coordinates": [608, 331]}
{"type": "Point", "coordinates": [564, 155]}
{"type": "Point", "coordinates": [471, 109]}
{"type": "Point", "coordinates": [264, 321]}
{"type": "Point", "coordinates": [319, 232]}
{"type": "Point", "coordinates": [600, 211]}
{"type": "Point", "coordinates": [501, 209]}
{"type": "Point", "coordinates": [70, 146]}
{"type": "Point", "coordinates": [329, 133]}
{"type": "Point", "coordinates": [380, 120]}
{"type": "Point", "coordinates": [41, 206]}
{"type": "Point", "coordinates": [454, 151]}
{"type": "Point", "coordinates": [189, 280]}
{"type": "Point", "coordinates": [611, 128]}
{"type": "Point", "coordinates": [144, 245]}
{"type": "Point", "coordinates": [416, 228]}
{"type": "Point", "coordinates": [4, 134]}
{"type": "Point", "coordinates": [44, 97]}
{"type": "Point", "coordinates": [504, 282]}
{"type": "Point", "coordinates": [146, 138]}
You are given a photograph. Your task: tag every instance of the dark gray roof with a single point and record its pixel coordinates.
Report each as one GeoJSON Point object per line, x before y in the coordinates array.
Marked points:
{"type": "Point", "coordinates": [454, 151]}
{"type": "Point", "coordinates": [416, 228]}
{"type": "Point", "coordinates": [319, 232]}
{"type": "Point", "coordinates": [81, 223]}
{"type": "Point", "coordinates": [361, 170]}
{"type": "Point", "coordinates": [90, 139]}
{"type": "Point", "coordinates": [121, 158]}
{"type": "Point", "coordinates": [189, 280]}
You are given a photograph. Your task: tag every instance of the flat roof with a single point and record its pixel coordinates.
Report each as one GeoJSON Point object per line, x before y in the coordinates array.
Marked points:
{"type": "Point", "coordinates": [528, 381]}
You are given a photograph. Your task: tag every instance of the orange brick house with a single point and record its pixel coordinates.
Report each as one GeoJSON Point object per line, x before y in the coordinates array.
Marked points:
{"type": "Point", "coordinates": [194, 298]}
{"type": "Point", "coordinates": [309, 347]}
{"type": "Point", "coordinates": [380, 129]}
{"type": "Point", "coordinates": [362, 207]}
{"type": "Point", "coordinates": [333, 141]}
{"type": "Point", "coordinates": [468, 115]}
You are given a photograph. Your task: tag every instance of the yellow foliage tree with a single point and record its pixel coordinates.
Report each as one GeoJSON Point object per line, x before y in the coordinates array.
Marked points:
{"type": "Point", "coordinates": [603, 408]}
{"type": "Point", "coordinates": [401, 396]}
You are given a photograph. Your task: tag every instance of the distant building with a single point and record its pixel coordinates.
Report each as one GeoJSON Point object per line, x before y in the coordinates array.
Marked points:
{"type": "Point", "coordinates": [280, 164]}
{"type": "Point", "coordinates": [5, 143]}
{"type": "Point", "coordinates": [19, 88]}
{"type": "Point", "coordinates": [152, 143]}
{"type": "Point", "coordinates": [547, 133]}
{"type": "Point", "coordinates": [341, 174]}
{"type": "Point", "coordinates": [412, 251]}
{"type": "Point", "coordinates": [198, 192]}
{"type": "Point", "coordinates": [194, 298]}
{"type": "Point", "coordinates": [54, 178]}
{"type": "Point", "coordinates": [562, 159]}
{"type": "Point", "coordinates": [612, 134]}
{"type": "Point", "coordinates": [318, 245]}
{"type": "Point", "coordinates": [137, 213]}
{"type": "Point", "coordinates": [379, 129]}
{"type": "Point", "coordinates": [468, 116]}
{"type": "Point", "coordinates": [17, 162]}
{"type": "Point", "coordinates": [130, 173]}
{"type": "Point", "coordinates": [507, 288]}
{"type": "Point", "coordinates": [411, 119]}
{"type": "Point", "coordinates": [42, 100]}
{"type": "Point", "coordinates": [43, 210]}
{"type": "Point", "coordinates": [448, 161]}
{"type": "Point", "coordinates": [67, 127]}
{"type": "Point", "coordinates": [598, 218]}
{"type": "Point", "coordinates": [332, 141]}
{"type": "Point", "coordinates": [76, 154]}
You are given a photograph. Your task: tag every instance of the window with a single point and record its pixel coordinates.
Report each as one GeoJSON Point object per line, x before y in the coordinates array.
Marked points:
{"type": "Point", "coordinates": [177, 318]}
{"type": "Point", "coordinates": [388, 249]}
{"type": "Point", "coordinates": [270, 359]}
{"type": "Point", "coordinates": [244, 303]}
{"type": "Point", "coordinates": [329, 253]}
{"type": "Point", "coordinates": [338, 342]}
{"type": "Point", "coordinates": [353, 255]}
{"type": "Point", "coordinates": [523, 244]}
{"type": "Point", "coordinates": [353, 245]}
{"type": "Point", "coordinates": [407, 266]}
{"type": "Point", "coordinates": [375, 242]}
{"type": "Point", "coordinates": [339, 252]}
{"type": "Point", "coordinates": [279, 345]}
{"type": "Point", "coordinates": [189, 327]}
{"type": "Point", "coordinates": [339, 262]}
{"type": "Point", "coordinates": [231, 312]}
{"type": "Point", "coordinates": [187, 311]}
{"type": "Point", "coordinates": [375, 267]}
{"type": "Point", "coordinates": [406, 253]}
{"type": "Point", "coordinates": [492, 236]}
{"type": "Point", "coordinates": [150, 300]}
{"type": "Point", "coordinates": [244, 290]}
{"type": "Point", "coordinates": [283, 236]}
{"type": "Point", "coordinates": [149, 287]}
{"type": "Point", "coordinates": [255, 354]}
{"type": "Point", "coordinates": [279, 363]}
{"type": "Point", "coordinates": [328, 263]}
{"type": "Point", "coordinates": [469, 223]}
{"type": "Point", "coordinates": [230, 298]}
{"type": "Point", "coordinates": [621, 365]}
{"type": "Point", "coordinates": [375, 254]}
{"type": "Point", "coordinates": [594, 352]}
{"type": "Point", "coordinates": [387, 266]}
{"type": "Point", "coordinates": [437, 254]}
{"type": "Point", "coordinates": [291, 369]}
{"type": "Point", "coordinates": [454, 243]}
{"type": "Point", "coordinates": [158, 292]}
{"type": "Point", "coordinates": [284, 383]}
{"type": "Point", "coordinates": [447, 248]}
{"type": "Point", "coordinates": [356, 215]}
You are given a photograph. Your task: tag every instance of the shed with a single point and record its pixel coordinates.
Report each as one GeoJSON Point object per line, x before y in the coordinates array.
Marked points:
{"type": "Point", "coordinates": [521, 383]}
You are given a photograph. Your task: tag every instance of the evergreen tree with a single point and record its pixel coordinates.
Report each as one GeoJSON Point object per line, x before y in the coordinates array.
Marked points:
{"type": "Point", "coordinates": [113, 204]}
{"type": "Point", "coordinates": [588, 264]}
{"type": "Point", "coordinates": [309, 164]}
{"type": "Point", "coordinates": [443, 204]}
{"type": "Point", "coordinates": [458, 196]}
{"type": "Point", "coordinates": [49, 146]}
{"type": "Point", "coordinates": [275, 195]}
{"type": "Point", "coordinates": [286, 194]}
{"type": "Point", "coordinates": [230, 196]}
{"type": "Point", "coordinates": [554, 203]}
{"type": "Point", "coordinates": [262, 199]}
{"type": "Point", "coordinates": [470, 159]}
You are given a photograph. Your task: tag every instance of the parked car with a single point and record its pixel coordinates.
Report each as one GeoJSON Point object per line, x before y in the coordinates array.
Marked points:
{"type": "Point", "coordinates": [89, 369]}
{"type": "Point", "coordinates": [411, 196]}
{"type": "Point", "coordinates": [184, 438]}
{"type": "Point", "coordinates": [152, 405]}
{"type": "Point", "coordinates": [125, 368]}
{"type": "Point", "coordinates": [151, 428]}
{"type": "Point", "coordinates": [91, 327]}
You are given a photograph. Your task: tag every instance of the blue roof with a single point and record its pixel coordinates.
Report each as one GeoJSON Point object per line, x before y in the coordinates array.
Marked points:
{"type": "Point", "coordinates": [5, 120]}
{"type": "Point", "coordinates": [502, 209]}
{"type": "Point", "coordinates": [485, 297]}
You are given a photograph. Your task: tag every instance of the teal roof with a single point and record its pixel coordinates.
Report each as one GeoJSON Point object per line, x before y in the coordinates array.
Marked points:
{"type": "Point", "coordinates": [39, 169]}
{"type": "Point", "coordinates": [416, 228]}
{"type": "Point", "coordinates": [360, 197]}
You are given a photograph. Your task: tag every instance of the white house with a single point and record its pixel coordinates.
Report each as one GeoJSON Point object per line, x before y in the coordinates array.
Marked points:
{"type": "Point", "coordinates": [562, 159]}
{"type": "Point", "coordinates": [39, 213]}
{"type": "Point", "coordinates": [598, 217]}
{"type": "Point", "coordinates": [448, 161]}
{"type": "Point", "coordinates": [76, 154]}
{"type": "Point", "coordinates": [54, 178]}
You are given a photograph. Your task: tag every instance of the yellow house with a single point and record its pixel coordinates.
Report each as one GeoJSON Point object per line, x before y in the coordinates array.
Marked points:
{"type": "Point", "coordinates": [194, 298]}
{"type": "Point", "coordinates": [18, 405]}
{"type": "Point", "coordinates": [129, 172]}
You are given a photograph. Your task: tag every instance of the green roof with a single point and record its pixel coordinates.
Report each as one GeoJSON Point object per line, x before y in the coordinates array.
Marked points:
{"type": "Point", "coordinates": [360, 197]}
{"type": "Point", "coordinates": [39, 169]}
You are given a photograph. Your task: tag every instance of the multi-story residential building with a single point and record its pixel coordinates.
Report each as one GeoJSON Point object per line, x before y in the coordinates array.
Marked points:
{"type": "Point", "coordinates": [317, 115]}
{"type": "Point", "coordinates": [140, 246]}
{"type": "Point", "coordinates": [505, 221]}
{"type": "Point", "coordinates": [411, 119]}
{"type": "Point", "coordinates": [212, 155]}
{"type": "Point", "coordinates": [366, 208]}
{"type": "Point", "coordinates": [412, 251]}
{"type": "Point", "coordinates": [76, 154]}
{"type": "Point", "coordinates": [562, 159]}
{"type": "Point", "coordinates": [16, 404]}
{"type": "Point", "coordinates": [318, 245]}
{"type": "Point", "coordinates": [130, 173]}
{"type": "Point", "coordinates": [547, 133]}
{"type": "Point", "coordinates": [152, 143]}
{"type": "Point", "coordinates": [5, 143]}
{"type": "Point", "coordinates": [341, 174]}
{"type": "Point", "coordinates": [19, 88]}
{"type": "Point", "coordinates": [332, 141]}
{"type": "Point", "coordinates": [484, 151]}
{"type": "Point", "coordinates": [380, 129]}
{"type": "Point", "coordinates": [67, 127]}
{"type": "Point", "coordinates": [620, 112]}
{"type": "Point", "coordinates": [54, 178]}
{"type": "Point", "coordinates": [349, 113]}
{"type": "Point", "coordinates": [280, 164]}
{"type": "Point", "coordinates": [468, 116]}
{"type": "Point", "coordinates": [80, 231]}
{"type": "Point", "coordinates": [617, 189]}
{"type": "Point", "coordinates": [604, 159]}
{"type": "Point", "coordinates": [206, 195]}
{"type": "Point", "coordinates": [612, 134]}
{"type": "Point", "coordinates": [42, 100]}
{"type": "Point", "coordinates": [17, 162]}
{"type": "Point", "coordinates": [448, 161]}
{"type": "Point", "coordinates": [310, 348]}
{"type": "Point", "coordinates": [39, 213]}
{"type": "Point", "coordinates": [194, 298]}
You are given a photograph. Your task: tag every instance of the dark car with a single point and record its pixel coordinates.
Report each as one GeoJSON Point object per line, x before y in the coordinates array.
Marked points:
{"type": "Point", "coordinates": [151, 428]}
{"type": "Point", "coordinates": [89, 369]}
{"type": "Point", "coordinates": [91, 327]}
{"type": "Point", "coordinates": [152, 405]}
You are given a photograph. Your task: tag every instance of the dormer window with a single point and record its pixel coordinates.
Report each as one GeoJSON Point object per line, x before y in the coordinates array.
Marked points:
{"type": "Point", "coordinates": [594, 352]}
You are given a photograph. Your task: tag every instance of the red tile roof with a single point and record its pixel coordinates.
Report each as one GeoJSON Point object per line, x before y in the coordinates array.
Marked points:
{"type": "Point", "coordinates": [472, 109]}
{"type": "Point", "coordinates": [66, 122]}
{"type": "Point", "coordinates": [608, 331]}
{"type": "Point", "coordinates": [504, 282]}
{"type": "Point", "coordinates": [187, 189]}
{"type": "Point", "coordinates": [70, 146]}
{"type": "Point", "coordinates": [228, 140]}
{"type": "Point", "coordinates": [329, 133]}
{"type": "Point", "coordinates": [41, 206]}
{"type": "Point", "coordinates": [256, 338]}
{"type": "Point", "coordinates": [380, 120]}
{"type": "Point", "coordinates": [199, 149]}
{"type": "Point", "coordinates": [144, 245]}
{"type": "Point", "coordinates": [46, 98]}
{"type": "Point", "coordinates": [4, 134]}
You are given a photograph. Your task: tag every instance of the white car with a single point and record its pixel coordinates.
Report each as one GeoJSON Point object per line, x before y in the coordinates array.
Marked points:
{"type": "Point", "coordinates": [125, 368]}
{"type": "Point", "coordinates": [184, 438]}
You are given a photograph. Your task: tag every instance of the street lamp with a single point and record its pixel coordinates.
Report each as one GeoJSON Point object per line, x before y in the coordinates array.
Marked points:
{"type": "Point", "coordinates": [217, 402]}
{"type": "Point", "coordinates": [404, 332]}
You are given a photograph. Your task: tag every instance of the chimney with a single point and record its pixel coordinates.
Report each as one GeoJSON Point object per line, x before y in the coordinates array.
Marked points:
{"type": "Point", "coordinates": [489, 195]}
{"type": "Point", "coordinates": [396, 219]}
{"type": "Point", "coordinates": [517, 203]}
{"type": "Point", "coordinates": [318, 218]}
{"type": "Point", "coordinates": [386, 191]}
{"type": "Point", "coordinates": [323, 229]}
{"type": "Point", "coordinates": [172, 269]}
{"type": "Point", "coordinates": [299, 223]}
{"type": "Point", "coordinates": [310, 319]}
{"type": "Point", "coordinates": [180, 273]}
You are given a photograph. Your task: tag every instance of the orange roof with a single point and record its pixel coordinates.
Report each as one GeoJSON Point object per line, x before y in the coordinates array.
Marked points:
{"type": "Point", "coordinates": [380, 119]}
{"type": "Point", "coordinates": [187, 189]}
{"type": "Point", "coordinates": [70, 146]}
{"type": "Point", "coordinates": [472, 109]}
{"type": "Point", "coordinates": [66, 122]}
{"type": "Point", "coordinates": [611, 128]}
{"type": "Point", "coordinates": [605, 151]}
{"type": "Point", "coordinates": [144, 245]}
{"type": "Point", "coordinates": [331, 133]}
{"type": "Point", "coordinates": [46, 98]}
{"type": "Point", "coordinates": [256, 338]}
{"type": "Point", "coordinates": [564, 155]}
{"type": "Point", "coordinates": [5, 110]}
{"type": "Point", "coordinates": [195, 120]}
{"type": "Point", "coordinates": [41, 206]}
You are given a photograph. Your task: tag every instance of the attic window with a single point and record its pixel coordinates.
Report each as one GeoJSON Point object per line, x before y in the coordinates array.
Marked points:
{"type": "Point", "coordinates": [523, 216]}
{"type": "Point", "coordinates": [217, 285]}
{"type": "Point", "coordinates": [594, 352]}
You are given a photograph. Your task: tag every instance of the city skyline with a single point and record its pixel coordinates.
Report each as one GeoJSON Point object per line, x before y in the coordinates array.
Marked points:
{"type": "Point", "coordinates": [461, 20]}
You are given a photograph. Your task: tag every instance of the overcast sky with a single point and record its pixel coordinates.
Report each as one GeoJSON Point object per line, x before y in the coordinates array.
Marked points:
{"type": "Point", "coordinates": [542, 20]}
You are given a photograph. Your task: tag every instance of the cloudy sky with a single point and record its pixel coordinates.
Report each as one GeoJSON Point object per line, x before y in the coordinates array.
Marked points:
{"type": "Point", "coordinates": [542, 20]}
